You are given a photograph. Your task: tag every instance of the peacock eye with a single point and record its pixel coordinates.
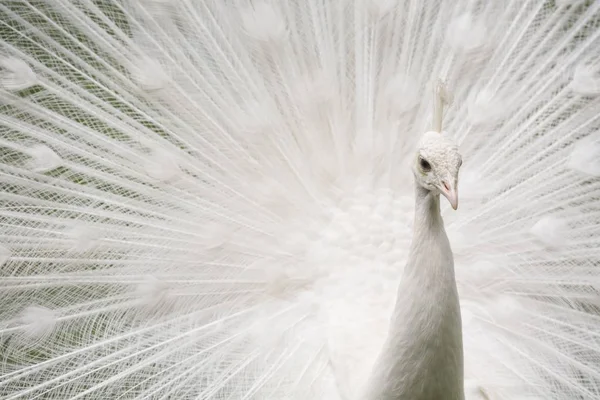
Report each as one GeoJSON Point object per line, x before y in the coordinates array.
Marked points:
{"type": "Point", "coordinates": [425, 166]}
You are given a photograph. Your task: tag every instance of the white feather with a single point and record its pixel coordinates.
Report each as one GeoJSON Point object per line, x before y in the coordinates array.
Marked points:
{"type": "Point", "coordinates": [264, 23]}
{"type": "Point", "coordinates": [585, 157]}
{"type": "Point", "coordinates": [149, 75]}
{"type": "Point", "coordinates": [15, 74]}
{"type": "Point", "coordinates": [213, 199]}
{"type": "Point", "coordinates": [467, 34]}
{"type": "Point", "coordinates": [551, 231]}
{"type": "Point", "coordinates": [83, 237]}
{"type": "Point", "coordinates": [43, 158]}
{"type": "Point", "coordinates": [585, 81]}
{"type": "Point", "coordinates": [37, 322]}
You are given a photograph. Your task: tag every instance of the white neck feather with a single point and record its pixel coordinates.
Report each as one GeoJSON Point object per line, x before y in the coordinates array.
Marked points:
{"type": "Point", "coordinates": [422, 358]}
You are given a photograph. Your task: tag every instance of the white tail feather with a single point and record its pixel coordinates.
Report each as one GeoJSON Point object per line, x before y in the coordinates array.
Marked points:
{"type": "Point", "coordinates": [211, 199]}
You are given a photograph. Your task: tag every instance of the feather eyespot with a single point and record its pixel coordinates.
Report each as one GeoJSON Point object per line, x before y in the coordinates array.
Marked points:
{"type": "Point", "coordinates": [424, 164]}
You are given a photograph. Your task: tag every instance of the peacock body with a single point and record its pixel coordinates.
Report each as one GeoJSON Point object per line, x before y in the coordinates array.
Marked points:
{"type": "Point", "coordinates": [214, 199]}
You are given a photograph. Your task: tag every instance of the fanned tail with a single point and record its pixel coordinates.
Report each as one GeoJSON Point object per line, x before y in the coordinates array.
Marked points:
{"type": "Point", "coordinates": [211, 199]}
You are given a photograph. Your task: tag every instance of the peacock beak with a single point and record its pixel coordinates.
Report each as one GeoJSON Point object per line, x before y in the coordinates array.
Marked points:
{"type": "Point", "coordinates": [450, 192]}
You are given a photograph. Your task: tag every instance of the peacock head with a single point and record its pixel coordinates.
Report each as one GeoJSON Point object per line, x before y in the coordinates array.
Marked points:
{"type": "Point", "coordinates": [437, 164]}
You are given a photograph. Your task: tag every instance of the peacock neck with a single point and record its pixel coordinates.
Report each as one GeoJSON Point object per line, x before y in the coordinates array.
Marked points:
{"type": "Point", "coordinates": [430, 262]}
{"type": "Point", "coordinates": [422, 358]}
{"type": "Point", "coordinates": [428, 220]}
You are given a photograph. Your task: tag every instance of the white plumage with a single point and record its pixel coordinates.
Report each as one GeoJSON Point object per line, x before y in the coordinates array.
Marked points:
{"type": "Point", "coordinates": [214, 199]}
{"type": "Point", "coordinates": [422, 356]}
